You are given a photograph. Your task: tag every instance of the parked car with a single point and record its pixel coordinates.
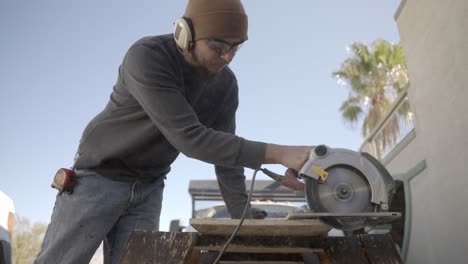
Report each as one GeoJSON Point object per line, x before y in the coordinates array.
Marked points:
{"type": "Point", "coordinates": [7, 214]}
{"type": "Point", "coordinates": [260, 210]}
{"type": "Point", "coordinates": [280, 201]}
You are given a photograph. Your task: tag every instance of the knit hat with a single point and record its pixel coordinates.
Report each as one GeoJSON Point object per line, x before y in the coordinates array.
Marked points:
{"type": "Point", "coordinates": [217, 19]}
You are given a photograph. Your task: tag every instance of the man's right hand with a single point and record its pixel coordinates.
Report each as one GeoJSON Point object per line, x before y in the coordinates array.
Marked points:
{"type": "Point", "coordinates": [292, 157]}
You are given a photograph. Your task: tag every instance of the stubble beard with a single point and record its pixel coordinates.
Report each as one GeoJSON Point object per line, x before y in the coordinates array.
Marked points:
{"type": "Point", "coordinates": [203, 72]}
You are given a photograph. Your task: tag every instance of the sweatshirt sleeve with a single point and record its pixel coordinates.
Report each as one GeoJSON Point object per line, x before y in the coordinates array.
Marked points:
{"type": "Point", "coordinates": [231, 180]}
{"type": "Point", "coordinates": [151, 79]}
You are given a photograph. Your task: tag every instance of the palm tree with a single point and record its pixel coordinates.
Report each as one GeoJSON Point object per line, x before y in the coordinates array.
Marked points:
{"type": "Point", "coordinates": [375, 77]}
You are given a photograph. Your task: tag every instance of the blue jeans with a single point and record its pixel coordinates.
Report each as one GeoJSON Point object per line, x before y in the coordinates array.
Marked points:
{"type": "Point", "coordinates": [5, 251]}
{"type": "Point", "coordinates": [99, 210]}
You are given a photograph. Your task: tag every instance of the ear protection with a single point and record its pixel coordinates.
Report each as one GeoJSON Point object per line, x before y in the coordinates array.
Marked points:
{"type": "Point", "coordinates": [184, 34]}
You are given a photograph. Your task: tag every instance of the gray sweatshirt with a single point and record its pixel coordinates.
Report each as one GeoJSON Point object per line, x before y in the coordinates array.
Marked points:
{"type": "Point", "coordinates": [161, 106]}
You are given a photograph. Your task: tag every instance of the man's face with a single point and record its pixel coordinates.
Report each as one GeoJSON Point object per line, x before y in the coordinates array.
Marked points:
{"type": "Point", "coordinates": [214, 54]}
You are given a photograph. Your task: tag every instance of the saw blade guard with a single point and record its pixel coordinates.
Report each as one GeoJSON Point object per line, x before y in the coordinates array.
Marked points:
{"type": "Point", "coordinates": [324, 160]}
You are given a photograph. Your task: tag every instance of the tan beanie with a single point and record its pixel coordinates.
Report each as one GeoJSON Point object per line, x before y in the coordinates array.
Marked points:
{"type": "Point", "coordinates": [217, 19]}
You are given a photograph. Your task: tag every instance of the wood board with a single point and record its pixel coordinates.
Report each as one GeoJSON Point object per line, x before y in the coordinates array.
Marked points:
{"type": "Point", "coordinates": [261, 227]}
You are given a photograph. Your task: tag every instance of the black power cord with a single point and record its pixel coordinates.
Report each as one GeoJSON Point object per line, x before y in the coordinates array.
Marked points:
{"type": "Point", "coordinates": [220, 255]}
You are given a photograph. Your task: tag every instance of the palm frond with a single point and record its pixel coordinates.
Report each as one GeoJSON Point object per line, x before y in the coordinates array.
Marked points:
{"type": "Point", "coordinates": [352, 113]}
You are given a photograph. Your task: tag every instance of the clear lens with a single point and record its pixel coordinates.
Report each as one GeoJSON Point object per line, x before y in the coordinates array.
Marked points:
{"type": "Point", "coordinates": [237, 47]}
{"type": "Point", "coordinates": [222, 47]}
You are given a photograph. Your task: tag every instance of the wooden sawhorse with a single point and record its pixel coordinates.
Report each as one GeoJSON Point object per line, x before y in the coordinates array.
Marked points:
{"type": "Point", "coordinates": [259, 241]}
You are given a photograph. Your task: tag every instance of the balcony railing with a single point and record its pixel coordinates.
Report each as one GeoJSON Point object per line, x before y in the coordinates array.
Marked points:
{"type": "Point", "coordinates": [395, 128]}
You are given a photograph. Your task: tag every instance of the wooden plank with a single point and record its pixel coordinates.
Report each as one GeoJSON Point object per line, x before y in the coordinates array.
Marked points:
{"type": "Point", "coordinates": [381, 249]}
{"type": "Point", "coordinates": [262, 241]}
{"type": "Point", "coordinates": [261, 227]}
{"type": "Point", "coordinates": [262, 258]}
{"type": "Point", "coordinates": [252, 249]}
{"type": "Point", "coordinates": [249, 244]}
{"type": "Point", "coordinates": [158, 247]}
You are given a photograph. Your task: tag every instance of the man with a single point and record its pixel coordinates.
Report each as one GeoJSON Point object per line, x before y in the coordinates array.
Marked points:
{"type": "Point", "coordinates": [174, 94]}
{"type": "Point", "coordinates": [7, 214]}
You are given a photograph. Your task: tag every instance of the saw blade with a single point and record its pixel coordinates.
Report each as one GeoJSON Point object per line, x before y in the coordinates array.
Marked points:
{"type": "Point", "coordinates": [345, 190]}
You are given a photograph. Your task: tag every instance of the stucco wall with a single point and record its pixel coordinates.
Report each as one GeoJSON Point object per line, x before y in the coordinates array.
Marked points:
{"type": "Point", "coordinates": [434, 36]}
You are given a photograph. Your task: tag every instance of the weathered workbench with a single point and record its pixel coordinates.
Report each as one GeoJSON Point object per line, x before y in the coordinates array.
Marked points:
{"type": "Point", "coordinates": [259, 241]}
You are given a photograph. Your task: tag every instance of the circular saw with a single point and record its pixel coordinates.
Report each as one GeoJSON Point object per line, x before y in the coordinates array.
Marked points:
{"type": "Point", "coordinates": [349, 187]}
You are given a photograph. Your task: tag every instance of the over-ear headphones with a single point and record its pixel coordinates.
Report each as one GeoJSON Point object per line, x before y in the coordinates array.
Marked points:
{"type": "Point", "coordinates": [184, 34]}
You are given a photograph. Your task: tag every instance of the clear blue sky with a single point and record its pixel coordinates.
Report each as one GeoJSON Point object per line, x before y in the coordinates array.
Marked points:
{"type": "Point", "coordinates": [59, 61]}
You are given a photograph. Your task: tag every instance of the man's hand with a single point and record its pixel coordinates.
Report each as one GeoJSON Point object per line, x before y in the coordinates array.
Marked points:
{"type": "Point", "coordinates": [292, 157]}
{"type": "Point", "coordinates": [290, 180]}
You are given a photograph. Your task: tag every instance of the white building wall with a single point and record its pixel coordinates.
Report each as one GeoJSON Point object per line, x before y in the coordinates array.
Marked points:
{"type": "Point", "coordinates": [434, 36]}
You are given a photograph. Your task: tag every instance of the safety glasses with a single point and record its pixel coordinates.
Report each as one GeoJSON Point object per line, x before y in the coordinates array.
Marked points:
{"type": "Point", "coordinates": [221, 46]}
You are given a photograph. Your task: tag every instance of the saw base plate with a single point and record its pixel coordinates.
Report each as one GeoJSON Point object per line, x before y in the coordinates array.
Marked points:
{"type": "Point", "coordinates": [367, 218]}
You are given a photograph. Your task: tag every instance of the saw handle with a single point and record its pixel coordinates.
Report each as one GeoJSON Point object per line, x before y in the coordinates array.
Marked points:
{"type": "Point", "coordinates": [273, 175]}
{"type": "Point", "coordinates": [289, 180]}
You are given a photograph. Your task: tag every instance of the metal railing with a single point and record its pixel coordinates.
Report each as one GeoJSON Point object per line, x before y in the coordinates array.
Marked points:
{"type": "Point", "coordinates": [395, 126]}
